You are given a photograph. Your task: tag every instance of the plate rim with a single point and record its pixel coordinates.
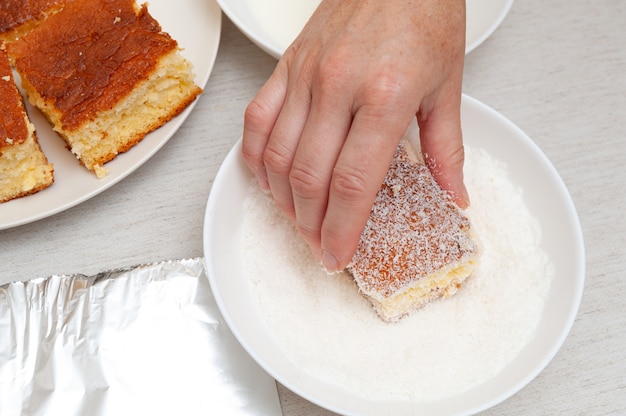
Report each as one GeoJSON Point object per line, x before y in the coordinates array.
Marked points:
{"type": "Point", "coordinates": [273, 49]}
{"type": "Point", "coordinates": [103, 184]}
{"type": "Point", "coordinates": [495, 24]}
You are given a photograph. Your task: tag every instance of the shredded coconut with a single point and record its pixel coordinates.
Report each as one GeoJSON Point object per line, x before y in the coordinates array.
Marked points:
{"type": "Point", "coordinates": [413, 231]}
{"type": "Point", "coordinates": [327, 329]}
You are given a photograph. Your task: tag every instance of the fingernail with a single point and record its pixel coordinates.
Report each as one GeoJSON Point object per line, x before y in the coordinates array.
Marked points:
{"type": "Point", "coordinates": [329, 261]}
{"type": "Point", "coordinates": [465, 199]}
{"type": "Point", "coordinates": [461, 199]}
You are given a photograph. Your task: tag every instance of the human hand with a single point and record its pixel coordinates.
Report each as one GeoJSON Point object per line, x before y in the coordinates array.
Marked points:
{"type": "Point", "coordinates": [321, 132]}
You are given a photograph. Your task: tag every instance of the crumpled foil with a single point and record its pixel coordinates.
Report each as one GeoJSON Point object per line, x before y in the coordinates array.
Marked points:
{"type": "Point", "coordinates": [147, 340]}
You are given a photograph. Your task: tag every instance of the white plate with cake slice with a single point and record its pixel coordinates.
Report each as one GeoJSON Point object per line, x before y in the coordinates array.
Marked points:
{"type": "Point", "coordinates": [319, 337]}
{"type": "Point", "coordinates": [196, 25]}
{"type": "Point", "coordinates": [273, 24]}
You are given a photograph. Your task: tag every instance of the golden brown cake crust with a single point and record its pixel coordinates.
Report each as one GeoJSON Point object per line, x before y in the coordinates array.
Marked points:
{"type": "Point", "coordinates": [90, 56]}
{"type": "Point", "coordinates": [14, 13]}
{"type": "Point", "coordinates": [12, 124]}
{"type": "Point", "coordinates": [18, 16]}
{"type": "Point", "coordinates": [24, 169]}
{"type": "Point", "coordinates": [413, 231]}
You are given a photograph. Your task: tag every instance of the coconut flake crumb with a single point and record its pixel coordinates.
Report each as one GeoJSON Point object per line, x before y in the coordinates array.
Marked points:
{"type": "Point", "coordinates": [327, 329]}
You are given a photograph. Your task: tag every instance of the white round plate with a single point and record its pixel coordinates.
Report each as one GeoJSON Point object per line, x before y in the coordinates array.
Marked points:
{"type": "Point", "coordinates": [196, 25]}
{"type": "Point", "coordinates": [547, 199]}
{"type": "Point", "coordinates": [273, 24]}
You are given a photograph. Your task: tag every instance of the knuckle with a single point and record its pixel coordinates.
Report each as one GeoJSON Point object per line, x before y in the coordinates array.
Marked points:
{"type": "Point", "coordinates": [350, 184]}
{"type": "Point", "coordinates": [335, 71]}
{"type": "Point", "coordinates": [457, 157]}
{"type": "Point", "coordinates": [304, 182]}
{"type": "Point", "coordinates": [277, 159]}
{"type": "Point", "coordinates": [256, 114]}
{"type": "Point", "coordinates": [387, 88]}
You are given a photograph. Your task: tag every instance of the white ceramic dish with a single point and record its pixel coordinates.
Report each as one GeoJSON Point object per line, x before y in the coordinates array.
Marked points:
{"type": "Point", "coordinates": [547, 199]}
{"type": "Point", "coordinates": [196, 25]}
{"type": "Point", "coordinates": [273, 24]}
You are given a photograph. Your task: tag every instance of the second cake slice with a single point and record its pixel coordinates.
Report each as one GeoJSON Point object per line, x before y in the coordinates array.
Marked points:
{"type": "Point", "coordinates": [24, 169]}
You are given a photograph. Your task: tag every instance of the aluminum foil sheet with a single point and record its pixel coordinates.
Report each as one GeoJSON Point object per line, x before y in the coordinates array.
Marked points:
{"type": "Point", "coordinates": [147, 340]}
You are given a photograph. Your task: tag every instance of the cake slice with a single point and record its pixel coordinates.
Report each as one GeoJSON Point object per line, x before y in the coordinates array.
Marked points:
{"type": "Point", "coordinates": [416, 245]}
{"type": "Point", "coordinates": [104, 74]}
{"type": "Point", "coordinates": [17, 17]}
{"type": "Point", "coordinates": [24, 168]}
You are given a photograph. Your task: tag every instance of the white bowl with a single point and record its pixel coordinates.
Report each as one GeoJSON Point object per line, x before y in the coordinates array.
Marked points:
{"type": "Point", "coordinates": [547, 199]}
{"type": "Point", "coordinates": [273, 24]}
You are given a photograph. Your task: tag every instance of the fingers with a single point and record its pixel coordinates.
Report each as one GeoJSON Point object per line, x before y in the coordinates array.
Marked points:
{"type": "Point", "coordinates": [442, 146]}
{"type": "Point", "coordinates": [283, 144]}
{"type": "Point", "coordinates": [321, 143]}
{"type": "Point", "coordinates": [357, 177]}
{"type": "Point", "coordinates": [273, 126]}
{"type": "Point", "coordinates": [259, 120]}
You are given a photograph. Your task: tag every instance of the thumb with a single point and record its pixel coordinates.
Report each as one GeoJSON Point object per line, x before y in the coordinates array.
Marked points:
{"type": "Point", "coordinates": [442, 147]}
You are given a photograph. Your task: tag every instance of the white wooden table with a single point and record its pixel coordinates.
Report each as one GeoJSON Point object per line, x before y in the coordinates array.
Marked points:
{"type": "Point", "coordinates": [556, 69]}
